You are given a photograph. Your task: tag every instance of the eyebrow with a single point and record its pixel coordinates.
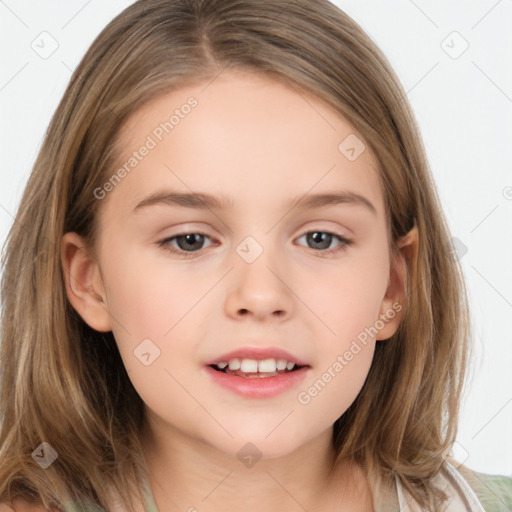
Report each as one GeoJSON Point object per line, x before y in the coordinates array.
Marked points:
{"type": "Point", "coordinates": [201, 200]}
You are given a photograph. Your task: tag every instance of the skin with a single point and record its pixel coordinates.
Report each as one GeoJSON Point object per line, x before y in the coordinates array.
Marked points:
{"type": "Point", "coordinates": [262, 144]}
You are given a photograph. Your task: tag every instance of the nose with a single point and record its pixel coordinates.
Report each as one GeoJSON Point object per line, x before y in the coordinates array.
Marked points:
{"type": "Point", "coordinates": [259, 290]}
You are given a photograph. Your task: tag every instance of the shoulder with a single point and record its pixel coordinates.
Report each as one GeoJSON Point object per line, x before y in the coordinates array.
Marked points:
{"type": "Point", "coordinates": [493, 491]}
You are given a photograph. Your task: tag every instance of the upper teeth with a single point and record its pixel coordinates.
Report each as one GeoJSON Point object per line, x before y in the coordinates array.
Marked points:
{"type": "Point", "coordinates": [252, 365]}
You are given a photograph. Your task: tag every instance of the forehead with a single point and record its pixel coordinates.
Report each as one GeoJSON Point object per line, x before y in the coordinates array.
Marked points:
{"type": "Point", "coordinates": [245, 133]}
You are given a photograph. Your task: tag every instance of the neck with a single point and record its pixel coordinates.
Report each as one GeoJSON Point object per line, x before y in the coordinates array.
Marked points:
{"type": "Point", "coordinates": [186, 473]}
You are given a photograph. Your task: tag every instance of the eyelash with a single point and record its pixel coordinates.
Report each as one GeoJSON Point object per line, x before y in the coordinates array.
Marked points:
{"type": "Point", "coordinates": [165, 243]}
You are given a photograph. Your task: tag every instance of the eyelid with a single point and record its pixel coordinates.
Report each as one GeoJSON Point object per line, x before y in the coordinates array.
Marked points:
{"type": "Point", "coordinates": [303, 231]}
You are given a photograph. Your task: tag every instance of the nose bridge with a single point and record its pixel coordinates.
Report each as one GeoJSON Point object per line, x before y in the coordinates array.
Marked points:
{"type": "Point", "coordinates": [258, 286]}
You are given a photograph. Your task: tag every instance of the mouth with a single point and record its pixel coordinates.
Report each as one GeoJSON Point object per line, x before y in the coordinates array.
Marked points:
{"type": "Point", "coordinates": [245, 379]}
{"type": "Point", "coordinates": [257, 372]}
{"type": "Point", "coordinates": [264, 370]}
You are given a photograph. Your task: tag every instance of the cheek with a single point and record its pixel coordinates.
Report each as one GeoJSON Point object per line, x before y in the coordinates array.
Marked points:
{"type": "Point", "coordinates": [148, 298]}
{"type": "Point", "coordinates": [347, 304]}
{"type": "Point", "coordinates": [156, 309]}
{"type": "Point", "coordinates": [345, 345]}
{"type": "Point", "coordinates": [347, 299]}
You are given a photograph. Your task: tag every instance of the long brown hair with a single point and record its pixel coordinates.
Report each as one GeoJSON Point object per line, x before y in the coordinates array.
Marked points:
{"type": "Point", "coordinates": [65, 384]}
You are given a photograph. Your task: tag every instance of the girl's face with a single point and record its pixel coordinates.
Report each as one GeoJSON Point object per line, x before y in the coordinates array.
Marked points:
{"type": "Point", "coordinates": [259, 276]}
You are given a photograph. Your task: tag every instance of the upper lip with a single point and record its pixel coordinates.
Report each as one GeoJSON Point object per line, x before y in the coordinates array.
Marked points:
{"type": "Point", "coordinates": [258, 353]}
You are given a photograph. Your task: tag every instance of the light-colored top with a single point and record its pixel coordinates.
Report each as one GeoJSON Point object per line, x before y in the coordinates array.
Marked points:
{"type": "Point", "coordinates": [461, 497]}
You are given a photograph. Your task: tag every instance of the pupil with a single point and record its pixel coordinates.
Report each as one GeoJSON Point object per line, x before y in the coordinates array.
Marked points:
{"type": "Point", "coordinates": [190, 240]}
{"type": "Point", "coordinates": [317, 236]}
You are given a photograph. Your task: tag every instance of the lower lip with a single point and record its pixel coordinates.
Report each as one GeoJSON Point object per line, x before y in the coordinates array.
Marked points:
{"type": "Point", "coordinates": [258, 387]}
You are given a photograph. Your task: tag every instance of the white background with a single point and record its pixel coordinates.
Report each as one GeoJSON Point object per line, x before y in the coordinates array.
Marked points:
{"type": "Point", "coordinates": [463, 106]}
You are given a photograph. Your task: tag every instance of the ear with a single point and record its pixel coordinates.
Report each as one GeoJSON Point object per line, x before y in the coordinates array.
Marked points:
{"type": "Point", "coordinates": [393, 304]}
{"type": "Point", "coordinates": [84, 284]}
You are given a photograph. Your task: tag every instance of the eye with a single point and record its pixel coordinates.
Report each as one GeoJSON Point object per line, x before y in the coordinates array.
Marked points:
{"type": "Point", "coordinates": [188, 243]}
{"type": "Point", "coordinates": [321, 240]}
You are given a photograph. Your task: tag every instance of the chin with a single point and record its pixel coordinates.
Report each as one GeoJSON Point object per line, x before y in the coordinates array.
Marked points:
{"type": "Point", "coordinates": [251, 448]}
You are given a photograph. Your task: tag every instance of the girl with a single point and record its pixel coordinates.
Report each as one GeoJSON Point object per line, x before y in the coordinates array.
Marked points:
{"type": "Point", "coordinates": [227, 284]}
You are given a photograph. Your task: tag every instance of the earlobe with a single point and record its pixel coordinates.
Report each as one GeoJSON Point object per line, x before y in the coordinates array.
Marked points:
{"type": "Point", "coordinates": [84, 285]}
{"type": "Point", "coordinates": [393, 305]}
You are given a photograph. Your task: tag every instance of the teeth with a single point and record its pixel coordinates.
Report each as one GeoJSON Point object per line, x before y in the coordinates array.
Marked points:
{"type": "Point", "coordinates": [247, 365]}
{"type": "Point", "coordinates": [234, 364]}
{"type": "Point", "coordinates": [281, 364]}
{"type": "Point", "coordinates": [267, 365]}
